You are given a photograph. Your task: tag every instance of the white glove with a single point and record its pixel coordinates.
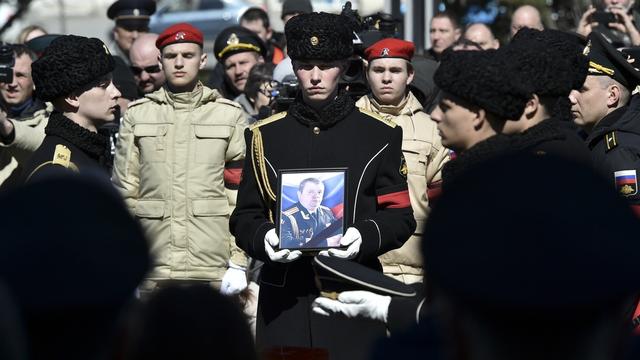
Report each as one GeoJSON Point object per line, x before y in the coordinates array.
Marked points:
{"type": "Point", "coordinates": [353, 304]}
{"type": "Point", "coordinates": [352, 239]}
{"type": "Point", "coordinates": [271, 240]}
{"type": "Point", "coordinates": [234, 280]}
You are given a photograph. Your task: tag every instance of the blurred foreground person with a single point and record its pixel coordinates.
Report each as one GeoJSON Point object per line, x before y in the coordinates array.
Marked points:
{"type": "Point", "coordinates": [73, 273]}
{"type": "Point", "coordinates": [75, 75]}
{"type": "Point", "coordinates": [217, 328]}
{"type": "Point", "coordinates": [550, 282]}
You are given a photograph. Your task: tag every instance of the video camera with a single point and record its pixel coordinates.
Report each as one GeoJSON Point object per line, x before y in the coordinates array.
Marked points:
{"type": "Point", "coordinates": [7, 61]}
{"type": "Point", "coordinates": [285, 93]}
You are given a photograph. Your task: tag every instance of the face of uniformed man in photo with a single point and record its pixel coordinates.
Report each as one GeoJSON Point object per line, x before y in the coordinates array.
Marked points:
{"type": "Point", "coordinates": [388, 79]}
{"type": "Point", "coordinates": [311, 195]}
{"type": "Point", "coordinates": [181, 63]}
{"type": "Point", "coordinates": [317, 79]}
{"type": "Point", "coordinates": [21, 89]}
{"type": "Point", "coordinates": [455, 122]}
{"type": "Point", "coordinates": [237, 67]}
{"type": "Point", "coordinates": [589, 104]}
{"type": "Point", "coordinates": [99, 103]}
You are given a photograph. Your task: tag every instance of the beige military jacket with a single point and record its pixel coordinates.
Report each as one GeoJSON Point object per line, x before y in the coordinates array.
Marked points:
{"type": "Point", "coordinates": [28, 135]}
{"type": "Point", "coordinates": [172, 163]}
{"type": "Point", "coordinates": [425, 156]}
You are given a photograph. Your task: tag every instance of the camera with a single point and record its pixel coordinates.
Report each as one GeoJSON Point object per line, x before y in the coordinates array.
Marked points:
{"type": "Point", "coordinates": [604, 17]}
{"type": "Point", "coordinates": [7, 61]}
{"type": "Point", "coordinates": [285, 93]}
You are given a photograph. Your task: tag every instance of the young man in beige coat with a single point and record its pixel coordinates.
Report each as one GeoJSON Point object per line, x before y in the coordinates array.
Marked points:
{"type": "Point", "coordinates": [178, 163]}
{"type": "Point", "coordinates": [389, 72]}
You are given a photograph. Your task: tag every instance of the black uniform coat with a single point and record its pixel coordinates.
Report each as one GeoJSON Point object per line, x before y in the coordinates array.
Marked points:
{"type": "Point", "coordinates": [68, 146]}
{"type": "Point", "coordinates": [615, 150]}
{"type": "Point", "coordinates": [554, 137]}
{"type": "Point", "coordinates": [377, 205]}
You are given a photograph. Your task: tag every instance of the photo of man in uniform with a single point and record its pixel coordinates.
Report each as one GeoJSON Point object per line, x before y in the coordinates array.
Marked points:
{"type": "Point", "coordinates": [302, 224]}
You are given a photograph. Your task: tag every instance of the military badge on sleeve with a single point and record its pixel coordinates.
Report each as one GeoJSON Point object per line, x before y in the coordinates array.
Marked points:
{"type": "Point", "coordinates": [404, 170]}
{"type": "Point", "coordinates": [626, 182]}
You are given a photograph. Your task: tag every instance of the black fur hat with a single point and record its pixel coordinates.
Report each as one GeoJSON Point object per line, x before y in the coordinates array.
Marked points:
{"type": "Point", "coordinates": [477, 77]}
{"type": "Point", "coordinates": [550, 62]}
{"type": "Point", "coordinates": [68, 64]}
{"type": "Point", "coordinates": [319, 36]}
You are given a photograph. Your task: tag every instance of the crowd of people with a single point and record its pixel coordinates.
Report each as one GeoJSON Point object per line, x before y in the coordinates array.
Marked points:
{"type": "Point", "coordinates": [486, 207]}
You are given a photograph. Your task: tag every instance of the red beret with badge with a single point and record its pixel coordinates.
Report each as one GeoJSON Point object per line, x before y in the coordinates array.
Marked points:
{"type": "Point", "coordinates": [390, 48]}
{"type": "Point", "coordinates": [180, 33]}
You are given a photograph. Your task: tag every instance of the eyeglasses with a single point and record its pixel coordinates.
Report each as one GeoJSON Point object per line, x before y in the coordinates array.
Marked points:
{"type": "Point", "coordinates": [149, 69]}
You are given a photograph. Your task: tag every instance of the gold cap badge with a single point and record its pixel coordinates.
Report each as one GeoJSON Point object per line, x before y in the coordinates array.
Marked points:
{"type": "Point", "coordinates": [233, 39]}
{"type": "Point", "coordinates": [314, 40]}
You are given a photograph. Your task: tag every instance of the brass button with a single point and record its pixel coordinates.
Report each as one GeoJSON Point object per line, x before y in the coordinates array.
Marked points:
{"type": "Point", "coordinates": [316, 130]}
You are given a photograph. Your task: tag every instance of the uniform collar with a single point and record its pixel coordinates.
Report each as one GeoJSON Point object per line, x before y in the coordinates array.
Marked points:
{"type": "Point", "coordinates": [337, 110]}
{"type": "Point", "coordinates": [93, 144]}
{"type": "Point", "coordinates": [185, 99]}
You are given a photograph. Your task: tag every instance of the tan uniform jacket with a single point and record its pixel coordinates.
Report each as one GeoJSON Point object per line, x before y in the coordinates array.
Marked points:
{"type": "Point", "coordinates": [29, 133]}
{"type": "Point", "coordinates": [172, 163]}
{"type": "Point", "coordinates": [425, 156]}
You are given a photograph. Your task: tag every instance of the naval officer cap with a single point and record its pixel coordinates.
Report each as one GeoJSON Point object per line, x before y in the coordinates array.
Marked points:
{"type": "Point", "coordinates": [335, 275]}
{"type": "Point", "coordinates": [132, 14]}
{"type": "Point", "coordinates": [319, 36]}
{"type": "Point", "coordinates": [605, 60]}
{"type": "Point", "coordinates": [236, 39]}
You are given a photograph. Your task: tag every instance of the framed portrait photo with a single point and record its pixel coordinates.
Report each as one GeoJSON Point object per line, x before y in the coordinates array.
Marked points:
{"type": "Point", "coordinates": [311, 204]}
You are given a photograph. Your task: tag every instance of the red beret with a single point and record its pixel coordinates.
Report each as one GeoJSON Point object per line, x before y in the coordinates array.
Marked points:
{"type": "Point", "coordinates": [390, 48]}
{"type": "Point", "coordinates": [179, 33]}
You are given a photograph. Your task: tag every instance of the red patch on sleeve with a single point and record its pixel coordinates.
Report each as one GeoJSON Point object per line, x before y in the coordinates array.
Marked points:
{"type": "Point", "coordinates": [395, 200]}
{"type": "Point", "coordinates": [232, 176]}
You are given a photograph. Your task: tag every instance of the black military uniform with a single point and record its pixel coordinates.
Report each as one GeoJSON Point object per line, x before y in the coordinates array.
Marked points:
{"type": "Point", "coordinates": [615, 140]}
{"type": "Point", "coordinates": [549, 64]}
{"type": "Point", "coordinates": [69, 64]}
{"type": "Point", "coordinates": [377, 203]}
{"type": "Point", "coordinates": [130, 15]}
{"type": "Point", "coordinates": [299, 226]}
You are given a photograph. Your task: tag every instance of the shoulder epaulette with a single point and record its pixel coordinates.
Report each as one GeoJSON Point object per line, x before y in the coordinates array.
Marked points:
{"type": "Point", "coordinates": [270, 119]}
{"type": "Point", "coordinates": [138, 102]}
{"type": "Point", "coordinates": [324, 207]}
{"type": "Point", "coordinates": [61, 157]}
{"type": "Point", "coordinates": [228, 102]}
{"type": "Point", "coordinates": [610, 141]}
{"type": "Point", "coordinates": [291, 211]}
{"type": "Point", "coordinates": [378, 117]}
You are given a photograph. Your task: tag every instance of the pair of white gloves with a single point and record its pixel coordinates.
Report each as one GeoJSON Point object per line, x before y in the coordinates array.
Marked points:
{"type": "Point", "coordinates": [235, 279]}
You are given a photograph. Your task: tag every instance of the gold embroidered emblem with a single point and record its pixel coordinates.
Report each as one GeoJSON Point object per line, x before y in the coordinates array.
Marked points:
{"type": "Point", "coordinates": [404, 170]}
{"type": "Point", "coordinates": [627, 189]}
{"type": "Point", "coordinates": [62, 156]}
{"type": "Point", "coordinates": [233, 39]}
{"type": "Point", "coordinates": [314, 40]}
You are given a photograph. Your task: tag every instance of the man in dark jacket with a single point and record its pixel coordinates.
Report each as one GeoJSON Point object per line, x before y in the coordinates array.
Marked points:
{"type": "Point", "coordinates": [74, 74]}
{"type": "Point", "coordinates": [548, 64]}
{"type": "Point", "coordinates": [605, 108]}
{"type": "Point", "coordinates": [320, 131]}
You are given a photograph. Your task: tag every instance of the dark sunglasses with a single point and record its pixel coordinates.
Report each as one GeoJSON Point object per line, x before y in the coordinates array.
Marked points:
{"type": "Point", "coordinates": [149, 69]}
